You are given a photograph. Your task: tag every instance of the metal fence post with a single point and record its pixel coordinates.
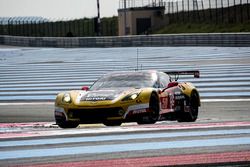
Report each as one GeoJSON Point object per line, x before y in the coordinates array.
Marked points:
{"type": "Point", "coordinates": [183, 19]}
{"type": "Point", "coordinates": [228, 11]}
{"type": "Point", "coordinates": [44, 30]}
{"type": "Point", "coordinates": [203, 10]}
{"type": "Point", "coordinates": [47, 29]}
{"type": "Point", "coordinates": [52, 28]}
{"type": "Point", "coordinates": [76, 32]}
{"type": "Point", "coordinates": [62, 28]}
{"type": "Point", "coordinates": [24, 27]}
{"type": "Point", "coordinates": [1, 26]}
{"type": "Point", "coordinates": [172, 5]}
{"type": "Point", "coordinates": [177, 11]}
{"type": "Point", "coordinates": [30, 29]}
{"type": "Point", "coordinates": [248, 10]}
{"type": "Point", "coordinates": [222, 12]}
{"type": "Point", "coordinates": [210, 10]}
{"type": "Point", "coordinates": [8, 27]}
{"type": "Point", "coordinates": [73, 27]}
{"type": "Point", "coordinates": [68, 27]}
{"type": "Point", "coordinates": [216, 12]}
{"type": "Point", "coordinates": [35, 28]}
{"type": "Point", "coordinates": [235, 17]}
{"type": "Point", "coordinates": [79, 27]}
{"type": "Point", "coordinates": [39, 28]}
{"type": "Point", "coordinates": [87, 27]}
{"type": "Point", "coordinates": [241, 12]}
{"type": "Point", "coordinates": [65, 28]}
{"type": "Point", "coordinates": [13, 28]}
{"type": "Point", "coordinates": [83, 28]}
{"type": "Point", "coordinates": [111, 29]}
{"type": "Point", "coordinates": [18, 28]}
{"type": "Point", "coordinates": [193, 11]}
{"type": "Point", "coordinates": [188, 10]}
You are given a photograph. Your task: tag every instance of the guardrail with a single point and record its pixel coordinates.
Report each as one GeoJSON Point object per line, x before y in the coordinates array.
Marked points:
{"type": "Point", "coordinates": [202, 39]}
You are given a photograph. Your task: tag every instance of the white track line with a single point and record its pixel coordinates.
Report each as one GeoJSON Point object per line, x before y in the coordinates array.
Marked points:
{"type": "Point", "coordinates": [223, 100]}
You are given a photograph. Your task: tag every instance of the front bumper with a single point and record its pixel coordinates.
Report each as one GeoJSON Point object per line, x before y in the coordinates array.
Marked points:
{"type": "Point", "coordinates": [100, 114]}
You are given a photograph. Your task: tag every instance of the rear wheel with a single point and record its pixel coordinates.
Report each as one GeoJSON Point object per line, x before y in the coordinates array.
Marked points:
{"type": "Point", "coordinates": [153, 115]}
{"type": "Point", "coordinates": [194, 109]}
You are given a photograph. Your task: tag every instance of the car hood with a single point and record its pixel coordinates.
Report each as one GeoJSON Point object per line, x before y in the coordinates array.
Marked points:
{"type": "Point", "coordinates": [105, 94]}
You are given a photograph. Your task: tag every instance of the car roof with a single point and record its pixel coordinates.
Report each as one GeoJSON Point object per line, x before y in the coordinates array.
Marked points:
{"type": "Point", "coordinates": [132, 72]}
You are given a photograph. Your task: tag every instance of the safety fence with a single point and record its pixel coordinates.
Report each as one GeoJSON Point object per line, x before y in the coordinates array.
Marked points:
{"type": "Point", "coordinates": [226, 11]}
{"type": "Point", "coordinates": [208, 11]}
{"type": "Point", "coordinates": [177, 11]}
{"type": "Point", "coordinates": [203, 39]}
{"type": "Point", "coordinates": [17, 26]}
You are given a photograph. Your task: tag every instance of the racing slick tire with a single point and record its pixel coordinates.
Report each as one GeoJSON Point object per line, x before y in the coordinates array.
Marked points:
{"type": "Point", "coordinates": [67, 124]}
{"type": "Point", "coordinates": [112, 123]}
{"type": "Point", "coordinates": [194, 109]}
{"type": "Point", "coordinates": [153, 115]}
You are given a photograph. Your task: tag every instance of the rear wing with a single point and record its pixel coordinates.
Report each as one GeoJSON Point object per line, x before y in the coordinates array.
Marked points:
{"type": "Point", "coordinates": [196, 73]}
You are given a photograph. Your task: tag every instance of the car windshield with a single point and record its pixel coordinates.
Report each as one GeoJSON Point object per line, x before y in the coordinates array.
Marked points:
{"type": "Point", "coordinates": [131, 79]}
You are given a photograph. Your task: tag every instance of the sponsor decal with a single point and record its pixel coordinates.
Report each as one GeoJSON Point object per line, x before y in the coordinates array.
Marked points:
{"type": "Point", "coordinates": [100, 95]}
{"type": "Point", "coordinates": [139, 111]}
{"type": "Point", "coordinates": [136, 109]}
{"type": "Point", "coordinates": [98, 98]}
{"type": "Point", "coordinates": [179, 96]}
{"type": "Point", "coordinates": [138, 106]}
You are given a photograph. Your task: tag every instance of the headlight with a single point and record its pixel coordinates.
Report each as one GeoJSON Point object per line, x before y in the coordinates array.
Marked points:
{"type": "Point", "coordinates": [131, 96]}
{"type": "Point", "coordinates": [66, 98]}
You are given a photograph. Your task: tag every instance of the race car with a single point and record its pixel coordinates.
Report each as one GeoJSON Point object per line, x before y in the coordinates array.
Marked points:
{"type": "Point", "coordinates": [144, 97]}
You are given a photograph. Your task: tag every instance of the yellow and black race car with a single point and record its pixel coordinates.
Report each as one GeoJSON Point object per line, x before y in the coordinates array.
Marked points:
{"type": "Point", "coordinates": [130, 96]}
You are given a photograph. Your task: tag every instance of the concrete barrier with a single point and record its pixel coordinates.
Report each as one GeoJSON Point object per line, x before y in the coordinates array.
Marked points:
{"type": "Point", "coordinates": [203, 39]}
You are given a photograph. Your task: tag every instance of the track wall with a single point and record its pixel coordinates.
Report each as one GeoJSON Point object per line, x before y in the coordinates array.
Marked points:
{"type": "Point", "coordinates": [204, 39]}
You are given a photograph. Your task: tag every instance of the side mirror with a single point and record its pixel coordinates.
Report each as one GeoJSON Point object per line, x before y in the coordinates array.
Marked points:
{"type": "Point", "coordinates": [86, 88]}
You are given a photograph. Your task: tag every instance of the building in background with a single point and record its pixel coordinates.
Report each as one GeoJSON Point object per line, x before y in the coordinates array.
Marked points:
{"type": "Point", "coordinates": [138, 20]}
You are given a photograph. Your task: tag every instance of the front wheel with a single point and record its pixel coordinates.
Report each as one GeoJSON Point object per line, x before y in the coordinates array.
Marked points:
{"type": "Point", "coordinates": [153, 115]}
{"type": "Point", "coordinates": [68, 124]}
{"type": "Point", "coordinates": [112, 123]}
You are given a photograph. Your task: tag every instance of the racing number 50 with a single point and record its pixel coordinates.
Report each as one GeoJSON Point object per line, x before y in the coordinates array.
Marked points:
{"type": "Point", "coordinates": [164, 102]}
{"type": "Point", "coordinates": [167, 102]}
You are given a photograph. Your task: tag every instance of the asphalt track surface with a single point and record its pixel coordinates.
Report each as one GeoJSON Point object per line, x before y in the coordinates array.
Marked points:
{"type": "Point", "coordinates": [220, 137]}
{"type": "Point", "coordinates": [44, 112]}
{"type": "Point", "coordinates": [39, 74]}
{"type": "Point", "coordinates": [31, 77]}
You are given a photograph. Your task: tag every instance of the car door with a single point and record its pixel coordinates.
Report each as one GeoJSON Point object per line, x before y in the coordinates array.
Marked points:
{"type": "Point", "coordinates": [166, 94]}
